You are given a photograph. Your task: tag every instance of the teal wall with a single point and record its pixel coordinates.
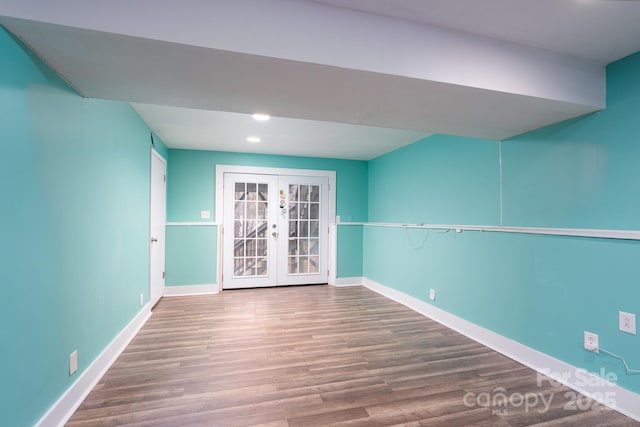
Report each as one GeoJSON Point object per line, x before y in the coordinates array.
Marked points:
{"type": "Point", "coordinates": [542, 291]}
{"type": "Point", "coordinates": [191, 255]}
{"type": "Point", "coordinates": [582, 173]}
{"type": "Point", "coordinates": [439, 180]}
{"type": "Point", "coordinates": [191, 189]}
{"type": "Point", "coordinates": [349, 252]}
{"type": "Point", "coordinates": [74, 229]}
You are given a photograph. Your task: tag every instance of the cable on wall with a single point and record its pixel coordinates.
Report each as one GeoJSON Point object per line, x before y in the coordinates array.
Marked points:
{"type": "Point", "coordinates": [628, 370]}
{"type": "Point", "coordinates": [412, 244]}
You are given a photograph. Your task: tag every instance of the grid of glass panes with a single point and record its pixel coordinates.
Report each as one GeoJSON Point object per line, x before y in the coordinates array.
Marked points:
{"type": "Point", "coordinates": [304, 228]}
{"type": "Point", "coordinates": [250, 223]}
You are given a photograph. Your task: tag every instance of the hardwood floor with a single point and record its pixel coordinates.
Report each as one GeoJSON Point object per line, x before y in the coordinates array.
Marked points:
{"type": "Point", "coordinates": [317, 356]}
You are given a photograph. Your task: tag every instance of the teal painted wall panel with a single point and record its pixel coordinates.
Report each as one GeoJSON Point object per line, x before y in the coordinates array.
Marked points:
{"type": "Point", "coordinates": [349, 251]}
{"type": "Point", "coordinates": [191, 182]}
{"type": "Point", "coordinates": [74, 227]}
{"type": "Point", "coordinates": [582, 173]}
{"type": "Point", "coordinates": [160, 147]}
{"type": "Point", "coordinates": [190, 186]}
{"type": "Point", "coordinates": [542, 291]}
{"type": "Point", "coordinates": [191, 189]}
{"type": "Point", "coordinates": [191, 255]}
{"type": "Point", "coordinates": [440, 179]}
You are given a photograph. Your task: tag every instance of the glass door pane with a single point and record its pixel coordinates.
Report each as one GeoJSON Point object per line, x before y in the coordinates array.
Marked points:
{"type": "Point", "coordinates": [304, 228]}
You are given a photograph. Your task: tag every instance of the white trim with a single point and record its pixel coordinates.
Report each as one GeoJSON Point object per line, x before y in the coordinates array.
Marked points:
{"type": "Point", "coordinates": [332, 262]}
{"type": "Point", "coordinates": [158, 155]}
{"type": "Point", "coordinates": [576, 232]}
{"type": "Point", "coordinates": [626, 401]}
{"type": "Point", "coordinates": [60, 412]}
{"type": "Point", "coordinates": [329, 174]}
{"type": "Point", "coordinates": [190, 224]}
{"type": "Point", "coordinates": [342, 282]}
{"type": "Point", "coordinates": [219, 257]}
{"type": "Point", "coordinates": [188, 290]}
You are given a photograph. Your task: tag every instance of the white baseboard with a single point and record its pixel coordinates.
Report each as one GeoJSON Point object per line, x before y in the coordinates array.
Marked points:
{"type": "Point", "coordinates": [348, 281]}
{"type": "Point", "coordinates": [66, 405]}
{"type": "Point", "coordinates": [624, 401]}
{"type": "Point", "coordinates": [188, 290]}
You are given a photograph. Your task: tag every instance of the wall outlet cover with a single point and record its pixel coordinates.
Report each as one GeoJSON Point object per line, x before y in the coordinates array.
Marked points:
{"type": "Point", "coordinates": [73, 362]}
{"type": "Point", "coordinates": [205, 214]}
{"type": "Point", "coordinates": [591, 342]}
{"type": "Point", "coordinates": [432, 294]}
{"type": "Point", "coordinates": [627, 322]}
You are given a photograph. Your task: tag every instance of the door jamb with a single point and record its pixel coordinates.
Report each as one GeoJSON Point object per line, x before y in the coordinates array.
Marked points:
{"type": "Point", "coordinates": [156, 154]}
{"type": "Point", "coordinates": [219, 200]}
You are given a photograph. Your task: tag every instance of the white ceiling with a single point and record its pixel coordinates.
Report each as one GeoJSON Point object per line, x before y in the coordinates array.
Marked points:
{"type": "Point", "coordinates": [600, 30]}
{"type": "Point", "coordinates": [343, 78]}
{"type": "Point", "coordinates": [228, 132]}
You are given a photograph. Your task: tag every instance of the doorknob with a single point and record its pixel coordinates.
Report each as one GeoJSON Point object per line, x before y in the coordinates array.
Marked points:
{"type": "Point", "coordinates": [275, 234]}
{"type": "Point", "coordinates": [154, 239]}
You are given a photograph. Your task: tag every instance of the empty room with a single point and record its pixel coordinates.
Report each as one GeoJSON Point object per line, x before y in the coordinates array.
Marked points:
{"type": "Point", "coordinates": [320, 213]}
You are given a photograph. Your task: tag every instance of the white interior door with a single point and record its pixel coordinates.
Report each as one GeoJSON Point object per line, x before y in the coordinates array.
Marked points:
{"type": "Point", "coordinates": [275, 230]}
{"type": "Point", "coordinates": [157, 222]}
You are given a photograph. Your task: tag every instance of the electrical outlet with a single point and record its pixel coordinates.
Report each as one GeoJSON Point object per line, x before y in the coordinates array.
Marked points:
{"type": "Point", "coordinates": [205, 214]}
{"type": "Point", "coordinates": [627, 322]}
{"type": "Point", "coordinates": [591, 342]}
{"type": "Point", "coordinates": [141, 300]}
{"type": "Point", "coordinates": [73, 362]}
{"type": "Point", "coordinates": [432, 294]}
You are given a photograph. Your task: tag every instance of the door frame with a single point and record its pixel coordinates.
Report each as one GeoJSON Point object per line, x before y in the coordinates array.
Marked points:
{"type": "Point", "coordinates": [158, 156]}
{"type": "Point", "coordinates": [257, 170]}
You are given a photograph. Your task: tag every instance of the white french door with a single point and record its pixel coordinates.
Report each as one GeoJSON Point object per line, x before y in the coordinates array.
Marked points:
{"type": "Point", "coordinates": [250, 230]}
{"type": "Point", "coordinates": [275, 230]}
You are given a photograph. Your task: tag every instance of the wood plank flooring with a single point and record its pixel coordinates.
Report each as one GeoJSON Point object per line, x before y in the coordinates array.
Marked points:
{"type": "Point", "coordinates": [316, 356]}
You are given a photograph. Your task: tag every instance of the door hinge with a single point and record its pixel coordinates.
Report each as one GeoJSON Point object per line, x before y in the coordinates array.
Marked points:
{"type": "Point", "coordinates": [163, 274]}
{"type": "Point", "coordinates": [164, 177]}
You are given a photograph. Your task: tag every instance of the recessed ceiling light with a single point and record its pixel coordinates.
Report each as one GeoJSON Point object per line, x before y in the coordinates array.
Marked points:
{"type": "Point", "coordinates": [253, 139]}
{"type": "Point", "coordinates": [261, 117]}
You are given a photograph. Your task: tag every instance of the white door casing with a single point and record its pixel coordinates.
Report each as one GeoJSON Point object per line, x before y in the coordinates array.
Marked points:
{"type": "Point", "coordinates": [157, 222]}
{"type": "Point", "coordinates": [290, 244]}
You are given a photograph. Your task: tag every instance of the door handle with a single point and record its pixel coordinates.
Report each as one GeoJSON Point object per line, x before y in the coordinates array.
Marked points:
{"type": "Point", "coordinates": [154, 240]}
{"type": "Point", "coordinates": [275, 234]}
